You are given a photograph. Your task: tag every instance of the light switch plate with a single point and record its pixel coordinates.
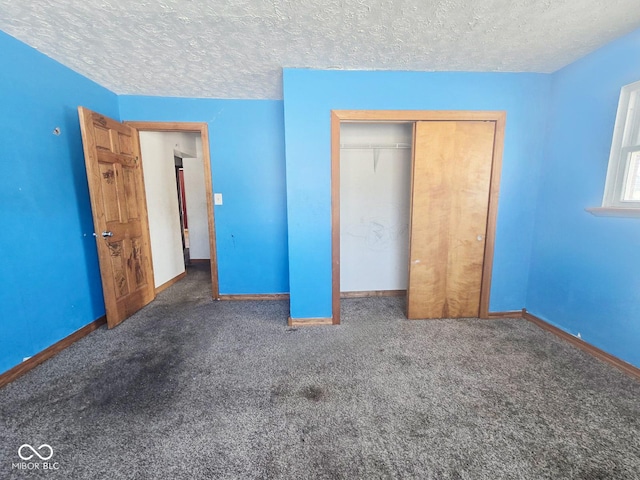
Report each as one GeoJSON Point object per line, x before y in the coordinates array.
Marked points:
{"type": "Point", "coordinates": [217, 199]}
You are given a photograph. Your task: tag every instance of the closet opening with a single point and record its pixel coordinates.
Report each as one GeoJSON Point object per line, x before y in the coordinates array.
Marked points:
{"type": "Point", "coordinates": [375, 195]}
{"type": "Point", "coordinates": [414, 198]}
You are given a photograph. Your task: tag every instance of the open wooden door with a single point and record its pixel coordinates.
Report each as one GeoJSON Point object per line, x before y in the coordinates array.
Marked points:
{"type": "Point", "coordinates": [116, 187]}
{"type": "Point", "coordinates": [451, 180]}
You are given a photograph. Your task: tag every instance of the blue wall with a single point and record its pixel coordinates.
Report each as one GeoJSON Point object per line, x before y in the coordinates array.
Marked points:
{"type": "Point", "coordinates": [49, 277]}
{"type": "Point", "coordinates": [585, 273]}
{"type": "Point", "coordinates": [310, 95]}
{"type": "Point", "coordinates": [577, 271]}
{"type": "Point", "coordinates": [247, 162]}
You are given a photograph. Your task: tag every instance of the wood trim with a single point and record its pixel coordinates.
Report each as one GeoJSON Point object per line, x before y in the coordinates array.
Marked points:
{"type": "Point", "coordinates": [259, 296]}
{"type": "Point", "coordinates": [309, 322]}
{"type": "Point", "coordinates": [582, 345]}
{"type": "Point", "coordinates": [411, 190]}
{"type": "Point", "coordinates": [166, 126]}
{"type": "Point", "coordinates": [145, 214]}
{"type": "Point", "coordinates": [203, 129]}
{"type": "Point", "coordinates": [494, 192]}
{"type": "Point", "coordinates": [208, 182]}
{"type": "Point", "coordinates": [40, 357]}
{"type": "Point", "coordinates": [166, 285]}
{"type": "Point", "coordinates": [614, 212]}
{"type": "Point", "coordinates": [509, 315]}
{"type": "Point", "coordinates": [337, 116]}
{"type": "Point", "coordinates": [418, 115]}
{"type": "Point", "coordinates": [374, 293]}
{"type": "Point", "coordinates": [200, 260]}
{"type": "Point", "coordinates": [335, 217]}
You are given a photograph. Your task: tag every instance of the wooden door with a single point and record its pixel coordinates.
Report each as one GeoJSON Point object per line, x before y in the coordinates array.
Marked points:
{"type": "Point", "coordinates": [116, 187]}
{"type": "Point", "coordinates": [450, 196]}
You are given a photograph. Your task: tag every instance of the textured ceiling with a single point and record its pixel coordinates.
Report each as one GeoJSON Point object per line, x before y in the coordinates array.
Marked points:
{"type": "Point", "coordinates": [237, 48]}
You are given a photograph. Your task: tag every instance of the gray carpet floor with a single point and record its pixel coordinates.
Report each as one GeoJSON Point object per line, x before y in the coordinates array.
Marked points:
{"type": "Point", "coordinates": [192, 388]}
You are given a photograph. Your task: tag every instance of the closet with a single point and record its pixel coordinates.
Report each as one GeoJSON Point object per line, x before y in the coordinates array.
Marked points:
{"type": "Point", "coordinates": [417, 205]}
{"type": "Point", "coordinates": [375, 184]}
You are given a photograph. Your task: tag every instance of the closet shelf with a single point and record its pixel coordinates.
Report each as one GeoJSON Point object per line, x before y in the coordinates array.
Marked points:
{"type": "Point", "coordinates": [372, 146]}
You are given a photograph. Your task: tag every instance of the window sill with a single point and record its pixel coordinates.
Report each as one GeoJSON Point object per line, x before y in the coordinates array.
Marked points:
{"type": "Point", "coordinates": [614, 212]}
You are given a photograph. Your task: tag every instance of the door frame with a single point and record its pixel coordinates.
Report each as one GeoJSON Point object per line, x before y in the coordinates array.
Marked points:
{"type": "Point", "coordinates": [338, 116]}
{"type": "Point", "coordinates": [203, 129]}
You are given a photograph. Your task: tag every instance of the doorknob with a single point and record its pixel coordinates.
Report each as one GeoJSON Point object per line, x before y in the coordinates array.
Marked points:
{"type": "Point", "coordinates": [107, 234]}
{"type": "Point", "coordinates": [479, 237]}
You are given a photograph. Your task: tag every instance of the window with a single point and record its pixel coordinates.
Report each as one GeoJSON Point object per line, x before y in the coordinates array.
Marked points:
{"type": "Point", "coordinates": [622, 188]}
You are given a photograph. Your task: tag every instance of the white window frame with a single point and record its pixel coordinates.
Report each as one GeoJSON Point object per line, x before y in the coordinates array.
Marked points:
{"type": "Point", "coordinates": [627, 126]}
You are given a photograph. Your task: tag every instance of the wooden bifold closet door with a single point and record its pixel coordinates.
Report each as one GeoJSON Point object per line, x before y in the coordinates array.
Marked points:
{"type": "Point", "coordinates": [451, 181]}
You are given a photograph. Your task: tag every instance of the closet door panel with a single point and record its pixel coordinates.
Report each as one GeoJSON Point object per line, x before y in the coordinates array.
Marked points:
{"type": "Point", "coordinates": [451, 181]}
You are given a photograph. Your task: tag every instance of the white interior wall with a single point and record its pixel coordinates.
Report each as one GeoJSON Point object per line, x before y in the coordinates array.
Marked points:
{"type": "Point", "coordinates": [157, 149]}
{"type": "Point", "coordinates": [197, 215]}
{"type": "Point", "coordinates": [184, 143]}
{"type": "Point", "coordinates": [374, 207]}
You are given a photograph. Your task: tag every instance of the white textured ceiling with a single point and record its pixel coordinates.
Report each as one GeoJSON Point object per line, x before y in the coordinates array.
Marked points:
{"type": "Point", "coordinates": [237, 48]}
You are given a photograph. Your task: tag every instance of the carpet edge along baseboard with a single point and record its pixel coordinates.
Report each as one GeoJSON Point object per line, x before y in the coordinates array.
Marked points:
{"type": "Point", "coordinates": [582, 345]}
{"type": "Point", "coordinates": [166, 285]}
{"type": "Point", "coordinates": [254, 296]}
{"type": "Point", "coordinates": [49, 352]}
{"type": "Point", "coordinates": [509, 314]}
{"type": "Point", "coordinates": [307, 322]}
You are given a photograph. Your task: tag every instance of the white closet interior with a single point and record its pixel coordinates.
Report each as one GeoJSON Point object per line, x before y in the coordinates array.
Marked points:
{"type": "Point", "coordinates": [375, 191]}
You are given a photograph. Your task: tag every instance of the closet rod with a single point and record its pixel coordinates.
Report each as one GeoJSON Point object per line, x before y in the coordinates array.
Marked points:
{"type": "Point", "coordinates": [370, 146]}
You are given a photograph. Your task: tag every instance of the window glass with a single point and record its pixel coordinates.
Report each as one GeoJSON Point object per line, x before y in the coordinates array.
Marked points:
{"type": "Point", "coordinates": [632, 184]}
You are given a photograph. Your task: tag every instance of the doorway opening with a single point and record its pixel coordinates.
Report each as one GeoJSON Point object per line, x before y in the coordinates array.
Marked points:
{"type": "Point", "coordinates": [179, 193]}
{"type": "Point", "coordinates": [182, 208]}
{"type": "Point", "coordinates": [375, 194]}
{"type": "Point", "coordinates": [414, 206]}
